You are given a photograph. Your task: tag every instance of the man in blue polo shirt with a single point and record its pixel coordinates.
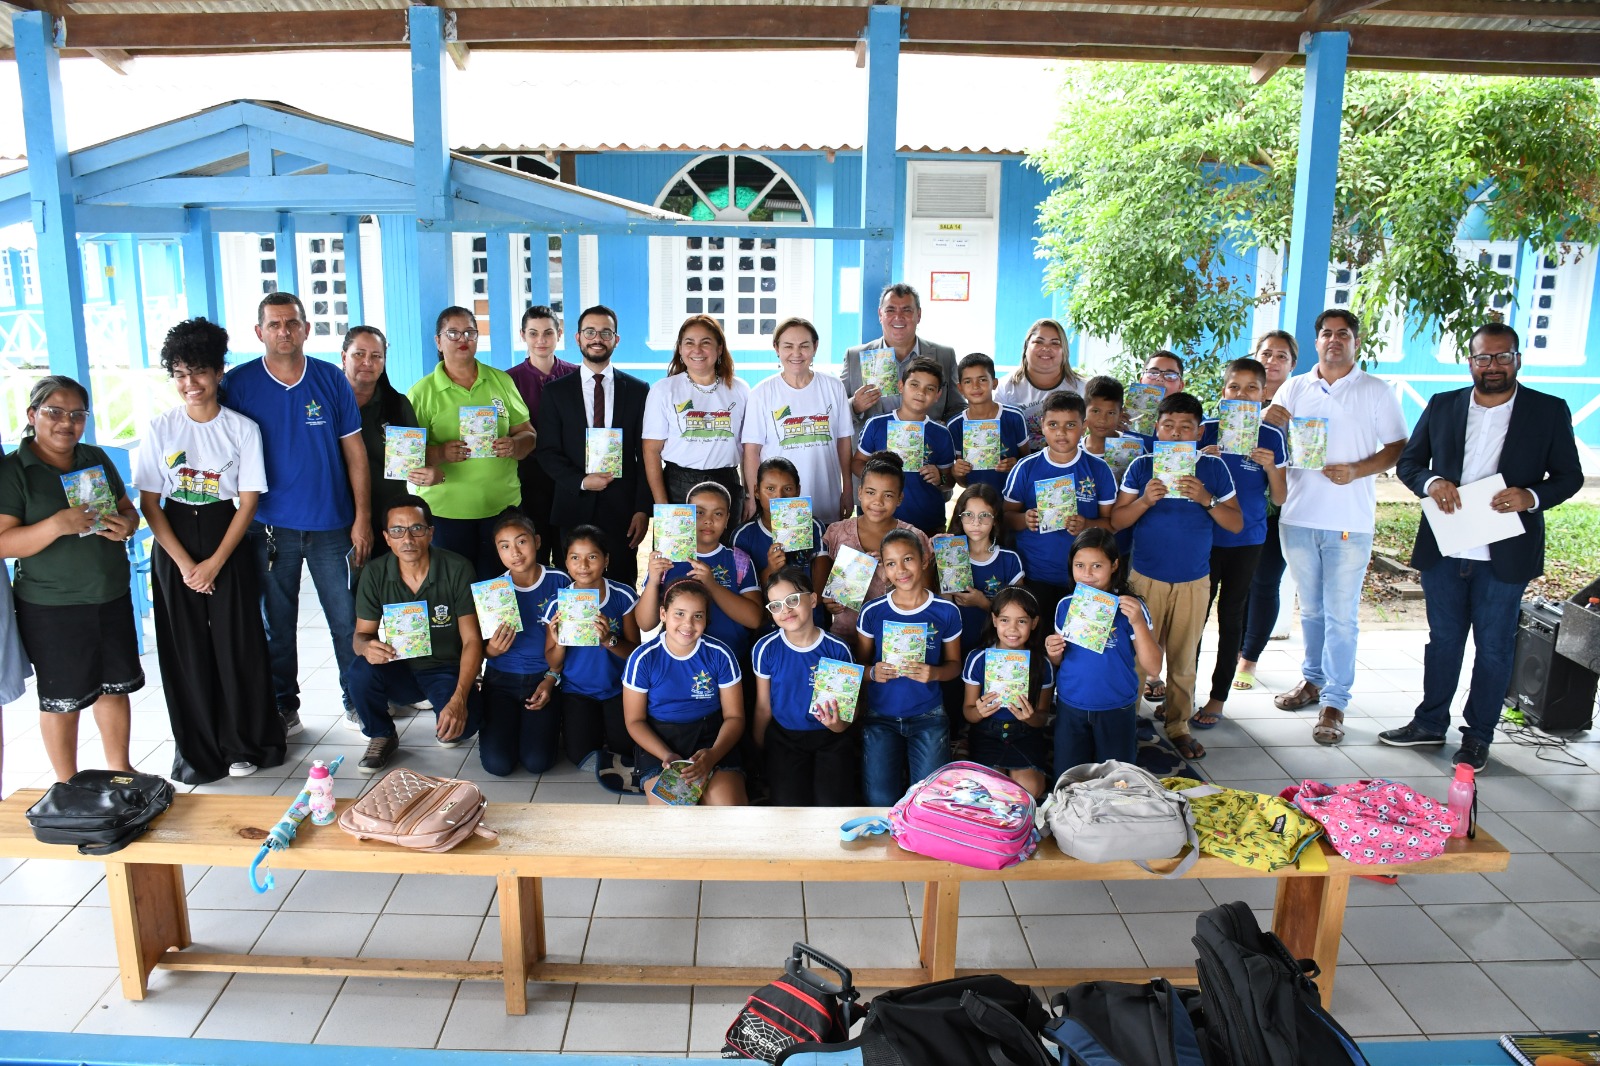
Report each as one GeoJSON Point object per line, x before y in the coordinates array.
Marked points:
{"type": "Point", "coordinates": [316, 510]}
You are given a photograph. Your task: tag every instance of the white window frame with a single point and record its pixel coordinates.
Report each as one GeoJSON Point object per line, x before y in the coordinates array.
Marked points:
{"type": "Point", "coordinates": [1568, 286]}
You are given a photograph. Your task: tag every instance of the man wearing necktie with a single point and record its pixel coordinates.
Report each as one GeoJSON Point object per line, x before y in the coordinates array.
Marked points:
{"type": "Point", "coordinates": [598, 396]}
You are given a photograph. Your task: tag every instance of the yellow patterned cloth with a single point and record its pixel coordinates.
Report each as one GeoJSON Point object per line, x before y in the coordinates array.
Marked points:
{"type": "Point", "coordinates": [1256, 831]}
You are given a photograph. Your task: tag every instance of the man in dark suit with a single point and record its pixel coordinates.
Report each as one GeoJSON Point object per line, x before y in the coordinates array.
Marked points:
{"type": "Point", "coordinates": [900, 313]}
{"type": "Point", "coordinates": [1465, 436]}
{"type": "Point", "coordinates": [597, 396]}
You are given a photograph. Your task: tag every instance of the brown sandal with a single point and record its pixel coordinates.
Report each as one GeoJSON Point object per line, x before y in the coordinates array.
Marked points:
{"type": "Point", "coordinates": [1302, 695]}
{"type": "Point", "coordinates": [1330, 726]}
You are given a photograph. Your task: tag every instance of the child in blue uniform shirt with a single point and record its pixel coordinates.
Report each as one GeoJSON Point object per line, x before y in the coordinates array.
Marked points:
{"type": "Point", "coordinates": [975, 380]}
{"type": "Point", "coordinates": [728, 574]}
{"type": "Point", "coordinates": [522, 707]}
{"type": "Point", "coordinates": [928, 486]}
{"type": "Point", "coordinates": [1045, 554]}
{"type": "Point", "coordinates": [1009, 736]}
{"type": "Point", "coordinates": [812, 756]}
{"type": "Point", "coordinates": [1097, 693]}
{"type": "Point", "coordinates": [776, 479]}
{"type": "Point", "coordinates": [590, 677]}
{"type": "Point", "coordinates": [1257, 477]}
{"type": "Point", "coordinates": [682, 700]}
{"type": "Point", "coordinates": [905, 730]}
{"type": "Point", "coordinates": [1172, 532]}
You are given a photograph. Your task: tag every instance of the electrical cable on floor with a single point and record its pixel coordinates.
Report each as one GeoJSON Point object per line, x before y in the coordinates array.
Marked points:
{"type": "Point", "coordinates": [1547, 747]}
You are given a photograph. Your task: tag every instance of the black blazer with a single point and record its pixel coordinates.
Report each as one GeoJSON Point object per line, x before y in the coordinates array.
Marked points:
{"type": "Point", "coordinates": [562, 421]}
{"type": "Point", "coordinates": [1540, 453]}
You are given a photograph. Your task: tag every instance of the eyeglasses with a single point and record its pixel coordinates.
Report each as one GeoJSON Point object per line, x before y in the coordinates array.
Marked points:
{"type": "Point", "coordinates": [589, 333]}
{"type": "Point", "coordinates": [399, 532]}
{"type": "Point", "coordinates": [1164, 375]}
{"type": "Point", "coordinates": [976, 516]}
{"type": "Point", "coordinates": [1499, 358]}
{"type": "Point", "coordinates": [788, 603]}
{"type": "Point", "coordinates": [63, 414]}
{"type": "Point", "coordinates": [458, 334]}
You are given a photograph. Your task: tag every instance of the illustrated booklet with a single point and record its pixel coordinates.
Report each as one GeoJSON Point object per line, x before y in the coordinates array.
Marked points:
{"type": "Point", "coordinates": [1238, 426]}
{"type": "Point", "coordinates": [841, 681]}
{"type": "Point", "coordinates": [1120, 454]}
{"type": "Point", "coordinates": [673, 526]}
{"type": "Point", "coordinates": [478, 428]}
{"type": "Point", "coordinates": [791, 523]}
{"type": "Point", "coordinates": [878, 367]}
{"type": "Point", "coordinates": [905, 439]}
{"type": "Point", "coordinates": [674, 788]}
{"type": "Point", "coordinates": [1139, 403]}
{"type": "Point", "coordinates": [405, 629]}
{"type": "Point", "coordinates": [89, 488]}
{"type": "Point", "coordinates": [851, 576]}
{"type": "Point", "coordinates": [496, 601]}
{"type": "Point", "coordinates": [579, 608]}
{"type": "Point", "coordinates": [1090, 618]}
{"type": "Point", "coordinates": [1006, 671]}
{"type": "Point", "coordinates": [954, 559]}
{"type": "Point", "coordinates": [905, 643]}
{"type": "Point", "coordinates": [405, 448]}
{"type": "Point", "coordinates": [602, 451]}
{"type": "Point", "coordinates": [981, 444]}
{"type": "Point", "coordinates": [1174, 460]}
{"type": "Point", "coordinates": [1057, 500]}
{"type": "Point", "coordinates": [1308, 443]}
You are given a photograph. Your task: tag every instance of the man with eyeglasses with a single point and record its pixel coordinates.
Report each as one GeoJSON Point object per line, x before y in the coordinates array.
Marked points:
{"type": "Point", "coordinates": [1461, 438]}
{"type": "Point", "coordinates": [393, 663]}
{"type": "Point", "coordinates": [1328, 518]}
{"type": "Point", "coordinates": [316, 512]}
{"type": "Point", "coordinates": [597, 396]}
{"type": "Point", "coordinates": [899, 313]}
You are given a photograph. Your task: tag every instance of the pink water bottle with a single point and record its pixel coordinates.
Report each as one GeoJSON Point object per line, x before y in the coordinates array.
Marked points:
{"type": "Point", "coordinates": [1459, 798]}
{"type": "Point", "coordinates": [320, 785]}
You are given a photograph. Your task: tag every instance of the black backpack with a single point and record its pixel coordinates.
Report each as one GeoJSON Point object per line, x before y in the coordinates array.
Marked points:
{"type": "Point", "coordinates": [101, 811]}
{"type": "Point", "coordinates": [799, 1006]}
{"type": "Point", "coordinates": [1261, 1004]}
{"type": "Point", "coordinates": [1109, 1023]}
{"type": "Point", "coordinates": [965, 1021]}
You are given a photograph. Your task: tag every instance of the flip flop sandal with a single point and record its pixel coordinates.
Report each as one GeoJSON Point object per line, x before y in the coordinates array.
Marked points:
{"type": "Point", "coordinates": [1159, 714]}
{"type": "Point", "coordinates": [1151, 696]}
{"type": "Point", "coordinates": [1189, 748]}
{"type": "Point", "coordinates": [1302, 695]}
{"type": "Point", "coordinates": [1330, 726]}
{"type": "Point", "coordinates": [1200, 720]}
{"type": "Point", "coordinates": [1243, 680]}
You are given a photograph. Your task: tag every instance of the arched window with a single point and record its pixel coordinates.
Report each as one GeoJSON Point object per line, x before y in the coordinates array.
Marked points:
{"type": "Point", "coordinates": [747, 284]}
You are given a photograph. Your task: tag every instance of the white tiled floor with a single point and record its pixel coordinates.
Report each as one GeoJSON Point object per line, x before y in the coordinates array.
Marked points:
{"type": "Point", "coordinates": [1521, 947]}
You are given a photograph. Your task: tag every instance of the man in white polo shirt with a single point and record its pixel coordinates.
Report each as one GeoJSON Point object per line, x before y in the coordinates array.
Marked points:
{"type": "Point", "coordinates": [1328, 518]}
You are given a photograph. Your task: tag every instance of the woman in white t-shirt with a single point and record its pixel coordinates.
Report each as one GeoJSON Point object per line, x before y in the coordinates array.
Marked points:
{"type": "Point", "coordinates": [803, 416]}
{"type": "Point", "coordinates": [694, 416]}
{"type": "Point", "coordinates": [1046, 370]}
{"type": "Point", "coordinates": [200, 475]}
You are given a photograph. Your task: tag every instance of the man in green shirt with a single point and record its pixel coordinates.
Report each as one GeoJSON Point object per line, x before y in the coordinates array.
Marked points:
{"type": "Point", "coordinates": [430, 648]}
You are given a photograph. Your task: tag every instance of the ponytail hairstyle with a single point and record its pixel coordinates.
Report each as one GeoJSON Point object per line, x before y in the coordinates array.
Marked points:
{"type": "Point", "coordinates": [511, 517]}
{"type": "Point", "coordinates": [687, 586]}
{"type": "Point", "coordinates": [909, 537]}
{"type": "Point", "coordinates": [1038, 664]}
{"type": "Point", "coordinates": [886, 464]}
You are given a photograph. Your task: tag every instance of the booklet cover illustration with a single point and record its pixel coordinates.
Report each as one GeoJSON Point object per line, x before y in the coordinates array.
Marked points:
{"type": "Point", "coordinates": [878, 367]}
{"type": "Point", "coordinates": [89, 488]}
{"type": "Point", "coordinates": [496, 602]}
{"type": "Point", "coordinates": [1120, 454]}
{"type": "Point", "coordinates": [1139, 403]}
{"type": "Point", "coordinates": [905, 643]}
{"type": "Point", "coordinates": [602, 451]}
{"type": "Point", "coordinates": [1090, 618]}
{"type": "Point", "coordinates": [405, 448]}
{"type": "Point", "coordinates": [791, 523]}
{"type": "Point", "coordinates": [1058, 501]}
{"type": "Point", "coordinates": [840, 681]}
{"type": "Point", "coordinates": [905, 440]}
{"type": "Point", "coordinates": [674, 788]}
{"type": "Point", "coordinates": [478, 428]}
{"type": "Point", "coordinates": [1006, 672]}
{"type": "Point", "coordinates": [1174, 459]}
{"type": "Point", "coordinates": [579, 609]}
{"type": "Point", "coordinates": [1238, 426]}
{"type": "Point", "coordinates": [405, 627]}
{"type": "Point", "coordinates": [981, 444]}
{"type": "Point", "coordinates": [673, 525]}
{"type": "Point", "coordinates": [1308, 443]}
{"type": "Point", "coordinates": [852, 573]}
{"type": "Point", "coordinates": [954, 559]}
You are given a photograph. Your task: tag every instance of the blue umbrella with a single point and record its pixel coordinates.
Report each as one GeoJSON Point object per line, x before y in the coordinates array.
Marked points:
{"type": "Point", "coordinates": [282, 834]}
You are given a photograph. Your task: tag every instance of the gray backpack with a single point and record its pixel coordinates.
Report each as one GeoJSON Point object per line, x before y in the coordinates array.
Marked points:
{"type": "Point", "coordinates": [1115, 811]}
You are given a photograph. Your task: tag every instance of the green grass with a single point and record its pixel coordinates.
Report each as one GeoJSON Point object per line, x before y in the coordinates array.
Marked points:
{"type": "Point", "coordinates": [1571, 548]}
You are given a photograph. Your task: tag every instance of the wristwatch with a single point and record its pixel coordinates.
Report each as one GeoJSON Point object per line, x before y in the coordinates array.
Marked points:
{"type": "Point", "coordinates": [613, 641]}
{"type": "Point", "coordinates": [1213, 502]}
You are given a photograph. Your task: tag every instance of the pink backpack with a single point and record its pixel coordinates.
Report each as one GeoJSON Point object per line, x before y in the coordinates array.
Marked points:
{"type": "Point", "coordinates": [1378, 821]}
{"type": "Point", "coordinates": [962, 813]}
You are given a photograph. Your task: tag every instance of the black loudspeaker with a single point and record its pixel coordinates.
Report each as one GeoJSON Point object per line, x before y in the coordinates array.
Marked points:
{"type": "Point", "coordinates": [1552, 692]}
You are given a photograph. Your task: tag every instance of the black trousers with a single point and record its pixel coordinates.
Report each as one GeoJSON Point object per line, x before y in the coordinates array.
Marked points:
{"type": "Point", "coordinates": [1232, 572]}
{"type": "Point", "coordinates": [812, 767]}
{"type": "Point", "coordinates": [213, 654]}
{"type": "Point", "coordinates": [589, 724]}
{"type": "Point", "coordinates": [538, 492]}
{"type": "Point", "coordinates": [1262, 613]}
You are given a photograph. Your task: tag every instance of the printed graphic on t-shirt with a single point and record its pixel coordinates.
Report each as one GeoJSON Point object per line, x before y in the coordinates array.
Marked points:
{"type": "Point", "coordinates": [696, 423]}
{"type": "Point", "coordinates": [195, 486]}
{"type": "Point", "coordinates": [703, 687]}
{"type": "Point", "coordinates": [314, 414]}
{"type": "Point", "coordinates": [801, 431]}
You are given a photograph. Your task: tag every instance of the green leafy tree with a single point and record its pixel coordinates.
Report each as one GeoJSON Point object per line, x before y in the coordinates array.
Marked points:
{"type": "Point", "coordinates": [1166, 175]}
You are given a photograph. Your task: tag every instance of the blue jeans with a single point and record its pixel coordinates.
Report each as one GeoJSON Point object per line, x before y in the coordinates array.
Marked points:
{"type": "Point", "coordinates": [1329, 567]}
{"type": "Point", "coordinates": [892, 746]}
{"type": "Point", "coordinates": [278, 553]}
{"type": "Point", "coordinates": [514, 735]}
{"type": "Point", "coordinates": [373, 688]}
{"type": "Point", "coordinates": [1095, 736]}
{"type": "Point", "coordinates": [1464, 594]}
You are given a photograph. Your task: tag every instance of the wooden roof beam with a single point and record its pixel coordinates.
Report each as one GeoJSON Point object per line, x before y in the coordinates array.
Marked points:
{"type": "Point", "coordinates": [115, 58]}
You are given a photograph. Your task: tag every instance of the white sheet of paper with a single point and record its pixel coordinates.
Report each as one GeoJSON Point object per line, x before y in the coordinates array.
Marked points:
{"type": "Point", "coordinates": [1475, 523]}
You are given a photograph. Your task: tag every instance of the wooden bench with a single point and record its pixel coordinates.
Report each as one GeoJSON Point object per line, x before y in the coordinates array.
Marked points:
{"type": "Point", "coordinates": [151, 919]}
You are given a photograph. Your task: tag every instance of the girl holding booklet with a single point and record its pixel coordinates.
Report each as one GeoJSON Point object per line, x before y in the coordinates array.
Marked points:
{"type": "Point", "coordinates": [883, 481]}
{"type": "Point", "coordinates": [812, 756]}
{"type": "Point", "coordinates": [1097, 691]}
{"type": "Point", "coordinates": [1009, 683]}
{"type": "Point", "coordinates": [991, 568]}
{"type": "Point", "coordinates": [727, 574]}
{"type": "Point", "coordinates": [522, 709]}
{"type": "Point", "coordinates": [912, 639]}
{"type": "Point", "coordinates": [586, 661]}
{"type": "Point", "coordinates": [683, 702]}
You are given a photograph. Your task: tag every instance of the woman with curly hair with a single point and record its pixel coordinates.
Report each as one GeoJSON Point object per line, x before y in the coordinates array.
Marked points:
{"type": "Point", "coordinates": [200, 475]}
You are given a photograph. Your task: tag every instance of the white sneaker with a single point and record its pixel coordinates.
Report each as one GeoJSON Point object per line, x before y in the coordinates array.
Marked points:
{"type": "Point", "coordinates": [242, 769]}
{"type": "Point", "coordinates": [448, 743]}
{"type": "Point", "coordinates": [352, 720]}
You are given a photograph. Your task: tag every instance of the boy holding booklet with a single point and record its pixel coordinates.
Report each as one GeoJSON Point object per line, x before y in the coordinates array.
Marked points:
{"type": "Point", "coordinates": [924, 444]}
{"type": "Point", "coordinates": [811, 753]}
{"type": "Point", "coordinates": [777, 480]}
{"type": "Point", "coordinates": [989, 437]}
{"type": "Point", "coordinates": [1174, 500]}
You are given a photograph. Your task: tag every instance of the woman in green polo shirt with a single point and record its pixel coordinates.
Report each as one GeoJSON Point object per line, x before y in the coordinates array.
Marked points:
{"type": "Point", "coordinates": [478, 430]}
{"type": "Point", "coordinates": [74, 609]}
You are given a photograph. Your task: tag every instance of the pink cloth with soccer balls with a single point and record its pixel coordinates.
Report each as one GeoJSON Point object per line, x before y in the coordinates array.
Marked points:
{"type": "Point", "coordinates": [1377, 822]}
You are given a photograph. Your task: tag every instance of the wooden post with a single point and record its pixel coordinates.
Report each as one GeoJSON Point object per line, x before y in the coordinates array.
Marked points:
{"type": "Point", "coordinates": [521, 935]}
{"type": "Point", "coordinates": [1309, 918]}
{"type": "Point", "coordinates": [148, 916]}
